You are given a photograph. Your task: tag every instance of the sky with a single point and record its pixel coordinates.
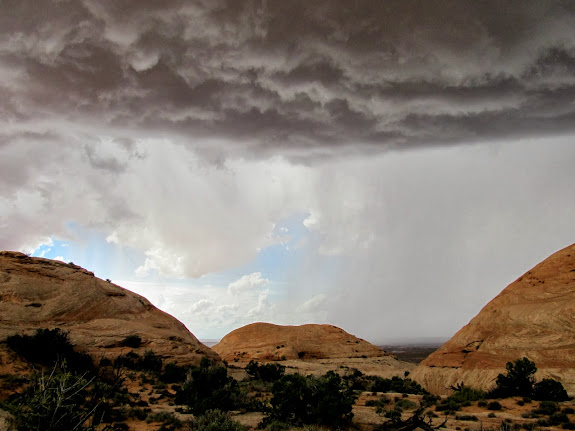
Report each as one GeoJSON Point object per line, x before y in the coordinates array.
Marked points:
{"type": "Point", "coordinates": [384, 166]}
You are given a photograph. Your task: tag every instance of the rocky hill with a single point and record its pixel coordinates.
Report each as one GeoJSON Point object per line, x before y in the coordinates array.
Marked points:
{"type": "Point", "coordinates": [264, 341]}
{"type": "Point", "coordinates": [99, 315]}
{"type": "Point", "coordinates": [533, 317]}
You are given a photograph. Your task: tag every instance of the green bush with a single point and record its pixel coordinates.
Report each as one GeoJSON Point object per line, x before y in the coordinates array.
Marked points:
{"type": "Point", "coordinates": [557, 419]}
{"type": "Point", "coordinates": [208, 387]}
{"type": "Point", "coordinates": [448, 405]}
{"type": "Point", "coordinates": [397, 385]}
{"type": "Point", "coordinates": [326, 400]}
{"type": "Point", "coordinates": [518, 381]}
{"type": "Point", "coordinates": [466, 418]}
{"type": "Point", "coordinates": [547, 408]}
{"type": "Point", "coordinates": [173, 373]}
{"type": "Point", "coordinates": [461, 397]}
{"type": "Point", "coordinates": [169, 421]}
{"type": "Point", "coordinates": [214, 420]}
{"type": "Point", "coordinates": [405, 404]}
{"type": "Point", "coordinates": [465, 394]}
{"type": "Point", "coordinates": [133, 341]}
{"type": "Point", "coordinates": [266, 372]}
{"type": "Point", "coordinates": [379, 402]}
{"type": "Point", "coordinates": [133, 361]}
{"type": "Point", "coordinates": [494, 405]}
{"type": "Point", "coordinates": [550, 390]}
{"type": "Point", "coordinates": [48, 347]}
{"type": "Point", "coordinates": [61, 400]}
{"type": "Point", "coordinates": [150, 362]}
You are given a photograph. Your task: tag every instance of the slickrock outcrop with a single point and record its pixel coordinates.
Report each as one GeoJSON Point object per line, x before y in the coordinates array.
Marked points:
{"type": "Point", "coordinates": [264, 341]}
{"type": "Point", "coordinates": [533, 317]}
{"type": "Point", "coordinates": [99, 315]}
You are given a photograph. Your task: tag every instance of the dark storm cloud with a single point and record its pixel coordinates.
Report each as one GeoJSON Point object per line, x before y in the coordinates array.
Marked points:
{"type": "Point", "coordinates": [279, 75]}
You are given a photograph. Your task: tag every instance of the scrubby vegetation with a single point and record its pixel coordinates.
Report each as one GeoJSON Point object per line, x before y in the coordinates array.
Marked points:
{"type": "Point", "coordinates": [266, 372]}
{"type": "Point", "coordinates": [208, 387]}
{"type": "Point", "coordinates": [520, 381]}
{"type": "Point", "coordinates": [69, 392]}
{"type": "Point", "coordinates": [298, 400]}
{"type": "Point", "coordinates": [48, 347]}
{"type": "Point", "coordinates": [214, 420]}
{"type": "Point", "coordinates": [462, 396]}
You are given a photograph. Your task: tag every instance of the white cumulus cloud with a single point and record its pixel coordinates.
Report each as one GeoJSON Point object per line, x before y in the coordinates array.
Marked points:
{"type": "Point", "coordinates": [247, 283]}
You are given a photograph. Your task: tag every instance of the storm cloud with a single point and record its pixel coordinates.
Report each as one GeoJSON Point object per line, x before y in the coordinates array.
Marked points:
{"type": "Point", "coordinates": [360, 163]}
{"type": "Point", "coordinates": [297, 78]}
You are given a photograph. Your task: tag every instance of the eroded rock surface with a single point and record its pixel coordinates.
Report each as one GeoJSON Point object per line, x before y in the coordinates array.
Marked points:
{"type": "Point", "coordinates": [99, 315]}
{"type": "Point", "coordinates": [264, 341]}
{"type": "Point", "coordinates": [532, 317]}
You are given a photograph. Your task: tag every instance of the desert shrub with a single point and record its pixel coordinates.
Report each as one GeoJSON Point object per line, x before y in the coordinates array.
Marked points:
{"type": "Point", "coordinates": [568, 426]}
{"type": "Point", "coordinates": [466, 418]}
{"type": "Point", "coordinates": [169, 420]}
{"type": "Point", "coordinates": [547, 408]}
{"type": "Point", "coordinates": [518, 381]}
{"type": "Point", "coordinates": [128, 361]}
{"type": "Point", "coordinates": [393, 414]}
{"type": "Point", "coordinates": [550, 390]}
{"type": "Point", "coordinates": [277, 426]}
{"type": "Point", "coordinates": [133, 341]}
{"type": "Point", "coordinates": [396, 384]}
{"type": "Point", "coordinates": [464, 394]}
{"type": "Point", "coordinates": [379, 402]}
{"type": "Point", "coordinates": [326, 400]}
{"type": "Point", "coordinates": [491, 415]}
{"type": "Point", "coordinates": [214, 420]}
{"type": "Point", "coordinates": [357, 380]}
{"type": "Point", "coordinates": [10, 382]}
{"type": "Point", "coordinates": [208, 387]}
{"type": "Point", "coordinates": [150, 362]}
{"type": "Point", "coordinates": [173, 373]}
{"type": "Point", "coordinates": [461, 397]}
{"type": "Point", "coordinates": [448, 405]}
{"type": "Point", "coordinates": [494, 405]}
{"type": "Point", "coordinates": [405, 404]}
{"type": "Point", "coordinates": [557, 419]}
{"type": "Point", "coordinates": [568, 410]}
{"type": "Point", "coordinates": [49, 346]}
{"type": "Point", "coordinates": [429, 400]}
{"type": "Point", "coordinates": [137, 413]}
{"type": "Point", "coordinates": [61, 400]}
{"type": "Point", "coordinates": [266, 372]}
{"type": "Point", "coordinates": [133, 361]}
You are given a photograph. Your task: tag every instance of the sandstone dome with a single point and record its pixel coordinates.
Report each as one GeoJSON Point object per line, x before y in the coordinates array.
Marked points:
{"type": "Point", "coordinates": [265, 341]}
{"type": "Point", "coordinates": [533, 317]}
{"type": "Point", "coordinates": [99, 315]}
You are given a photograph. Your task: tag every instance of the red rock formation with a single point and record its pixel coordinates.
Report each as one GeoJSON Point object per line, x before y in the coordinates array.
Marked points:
{"type": "Point", "coordinates": [533, 317]}
{"type": "Point", "coordinates": [43, 293]}
{"type": "Point", "coordinates": [272, 342]}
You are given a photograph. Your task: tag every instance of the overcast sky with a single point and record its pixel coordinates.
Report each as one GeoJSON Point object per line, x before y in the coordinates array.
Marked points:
{"type": "Point", "coordinates": [384, 166]}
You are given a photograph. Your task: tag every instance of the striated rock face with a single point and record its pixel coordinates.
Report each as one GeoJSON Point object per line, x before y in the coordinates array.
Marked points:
{"type": "Point", "coordinates": [43, 293]}
{"type": "Point", "coordinates": [264, 341]}
{"type": "Point", "coordinates": [533, 317]}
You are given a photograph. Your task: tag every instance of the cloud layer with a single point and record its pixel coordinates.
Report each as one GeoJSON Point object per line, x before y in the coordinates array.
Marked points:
{"type": "Point", "coordinates": [296, 78]}
{"type": "Point", "coordinates": [189, 131]}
